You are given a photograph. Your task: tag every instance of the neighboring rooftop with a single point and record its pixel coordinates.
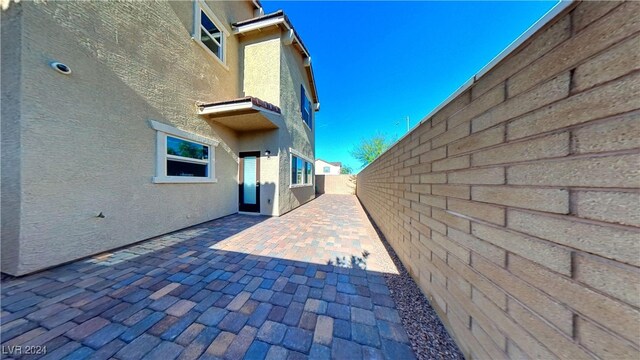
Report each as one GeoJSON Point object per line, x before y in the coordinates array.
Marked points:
{"type": "Point", "coordinates": [334, 163]}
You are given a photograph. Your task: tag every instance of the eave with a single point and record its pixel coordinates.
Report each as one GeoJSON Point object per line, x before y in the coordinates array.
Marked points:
{"type": "Point", "coordinates": [243, 114]}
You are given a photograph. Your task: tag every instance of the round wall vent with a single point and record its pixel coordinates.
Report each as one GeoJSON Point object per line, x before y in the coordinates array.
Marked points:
{"type": "Point", "coordinates": [61, 68]}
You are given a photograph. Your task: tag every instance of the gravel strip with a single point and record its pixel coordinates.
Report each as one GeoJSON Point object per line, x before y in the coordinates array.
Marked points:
{"type": "Point", "coordinates": [428, 336]}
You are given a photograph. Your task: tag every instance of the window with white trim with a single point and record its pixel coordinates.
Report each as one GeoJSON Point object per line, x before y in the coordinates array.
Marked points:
{"type": "Point", "coordinates": [209, 32]}
{"type": "Point", "coordinates": [186, 158]}
{"type": "Point", "coordinates": [182, 157]}
{"type": "Point", "coordinates": [326, 169]}
{"type": "Point", "coordinates": [301, 171]}
{"type": "Point", "coordinates": [305, 108]}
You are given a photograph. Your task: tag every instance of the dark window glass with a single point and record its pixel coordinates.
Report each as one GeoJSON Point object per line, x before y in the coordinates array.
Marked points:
{"type": "Point", "coordinates": [188, 149]}
{"type": "Point", "coordinates": [208, 25]}
{"type": "Point", "coordinates": [309, 174]}
{"type": "Point", "coordinates": [305, 107]}
{"type": "Point", "coordinates": [212, 37]}
{"type": "Point", "coordinates": [300, 169]}
{"type": "Point", "coordinates": [208, 42]}
{"type": "Point", "coordinates": [305, 175]}
{"type": "Point", "coordinates": [179, 168]}
{"type": "Point", "coordinates": [294, 170]}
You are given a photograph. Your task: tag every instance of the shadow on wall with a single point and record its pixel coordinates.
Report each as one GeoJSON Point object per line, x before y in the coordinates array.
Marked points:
{"type": "Point", "coordinates": [301, 196]}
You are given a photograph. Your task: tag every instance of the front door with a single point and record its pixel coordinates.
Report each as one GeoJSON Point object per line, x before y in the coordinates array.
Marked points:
{"type": "Point", "coordinates": [249, 183]}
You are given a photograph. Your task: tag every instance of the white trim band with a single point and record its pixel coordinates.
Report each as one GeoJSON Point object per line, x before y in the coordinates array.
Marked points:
{"type": "Point", "coordinates": [183, 134]}
{"type": "Point", "coordinates": [217, 109]}
{"type": "Point", "coordinates": [299, 154]}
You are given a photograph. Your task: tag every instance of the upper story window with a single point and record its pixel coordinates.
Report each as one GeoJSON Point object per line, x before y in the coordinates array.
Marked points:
{"type": "Point", "coordinates": [326, 170]}
{"type": "Point", "coordinates": [209, 32]}
{"type": "Point", "coordinates": [182, 157]}
{"type": "Point", "coordinates": [305, 107]}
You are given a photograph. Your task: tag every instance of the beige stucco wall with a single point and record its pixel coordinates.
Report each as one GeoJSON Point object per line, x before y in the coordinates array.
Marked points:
{"type": "Point", "coordinates": [11, 42]}
{"type": "Point", "coordinates": [86, 146]}
{"type": "Point", "coordinates": [260, 54]}
{"type": "Point", "coordinates": [273, 72]}
{"type": "Point", "coordinates": [269, 166]}
{"type": "Point", "coordinates": [297, 135]}
{"type": "Point", "coordinates": [82, 143]}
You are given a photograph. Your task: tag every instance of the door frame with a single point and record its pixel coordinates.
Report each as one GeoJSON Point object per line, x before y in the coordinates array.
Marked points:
{"type": "Point", "coordinates": [242, 206]}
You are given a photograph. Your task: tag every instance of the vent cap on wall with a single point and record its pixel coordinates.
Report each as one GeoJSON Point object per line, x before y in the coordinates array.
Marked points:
{"type": "Point", "coordinates": [61, 68]}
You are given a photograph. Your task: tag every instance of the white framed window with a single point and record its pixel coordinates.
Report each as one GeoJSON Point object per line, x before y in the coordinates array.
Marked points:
{"type": "Point", "coordinates": [301, 170]}
{"type": "Point", "coordinates": [182, 157]}
{"type": "Point", "coordinates": [305, 108]}
{"type": "Point", "coordinates": [209, 32]}
{"type": "Point", "coordinates": [326, 169]}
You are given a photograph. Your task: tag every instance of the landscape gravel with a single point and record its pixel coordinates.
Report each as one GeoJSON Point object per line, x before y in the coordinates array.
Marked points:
{"type": "Point", "coordinates": [428, 336]}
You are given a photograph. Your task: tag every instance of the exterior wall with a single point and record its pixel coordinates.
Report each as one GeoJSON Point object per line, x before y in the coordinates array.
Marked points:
{"type": "Point", "coordinates": [261, 56]}
{"type": "Point", "coordinates": [333, 170]}
{"type": "Point", "coordinates": [86, 145]}
{"type": "Point", "coordinates": [277, 80]}
{"type": "Point", "coordinates": [269, 166]}
{"type": "Point", "coordinates": [296, 135]}
{"type": "Point", "coordinates": [336, 184]}
{"type": "Point", "coordinates": [11, 42]}
{"type": "Point", "coordinates": [515, 207]}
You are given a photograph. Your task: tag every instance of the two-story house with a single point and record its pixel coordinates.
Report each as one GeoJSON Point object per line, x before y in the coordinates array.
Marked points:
{"type": "Point", "coordinates": [125, 121]}
{"type": "Point", "coordinates": [327, 167]}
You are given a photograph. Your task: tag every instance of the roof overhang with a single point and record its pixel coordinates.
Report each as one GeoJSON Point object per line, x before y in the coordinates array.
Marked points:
{"type": "Point", "coordinates": [289, 37]}
{"type": "Point", "coordinates": [243, 114]}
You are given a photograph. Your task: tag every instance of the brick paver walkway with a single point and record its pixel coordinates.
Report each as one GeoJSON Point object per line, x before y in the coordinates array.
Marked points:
{"type": "Point", "coordinates": [307, 284]}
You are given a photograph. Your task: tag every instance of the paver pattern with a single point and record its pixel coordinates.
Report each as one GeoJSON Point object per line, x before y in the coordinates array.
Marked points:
{"type": "Point", "coordinates": [238, 287]}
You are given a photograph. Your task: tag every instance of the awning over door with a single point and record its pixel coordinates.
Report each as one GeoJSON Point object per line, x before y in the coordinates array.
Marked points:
{"type": "Point", "coordinates": [243, 114]}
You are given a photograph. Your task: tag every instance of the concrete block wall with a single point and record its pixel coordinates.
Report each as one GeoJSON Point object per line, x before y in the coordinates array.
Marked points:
{"type": "Point", "coordinates": [516, 206]}
{"type": "Point", "coordinates": [336, 184]}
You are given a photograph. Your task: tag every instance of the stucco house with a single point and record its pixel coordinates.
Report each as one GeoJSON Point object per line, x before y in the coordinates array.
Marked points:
{"type": "Point", "coordinates": [324, 167]}
{"type": "Point", "coordinates": [125, 121]}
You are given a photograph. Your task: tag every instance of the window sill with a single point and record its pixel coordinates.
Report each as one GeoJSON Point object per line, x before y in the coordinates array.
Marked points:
{"type": "Point", "coordinates": [181, 180]}
{"type": "Point", "coordinates": [205, 48]}
{"type": "Point", "coordinates": [299, 186]}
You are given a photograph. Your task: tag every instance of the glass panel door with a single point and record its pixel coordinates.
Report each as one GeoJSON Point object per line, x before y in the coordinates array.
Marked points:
{"type": "Point", "coordinates": [249, 181]}
{"type": "Point", "coordinates": [249, 186]}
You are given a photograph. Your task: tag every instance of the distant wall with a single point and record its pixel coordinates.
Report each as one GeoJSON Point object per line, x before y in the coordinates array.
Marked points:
{"type": "Point", "coordinates": [516, 206]}
{"type": "Point", "coordinates": [336, 184]}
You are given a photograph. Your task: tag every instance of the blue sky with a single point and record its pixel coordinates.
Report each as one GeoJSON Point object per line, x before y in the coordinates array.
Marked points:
{"type": "Point", "coordinates": [376, 63]}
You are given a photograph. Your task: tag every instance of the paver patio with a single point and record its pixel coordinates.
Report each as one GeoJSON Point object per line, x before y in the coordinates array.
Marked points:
{"type": "Point", "coordinates": [306, 284]}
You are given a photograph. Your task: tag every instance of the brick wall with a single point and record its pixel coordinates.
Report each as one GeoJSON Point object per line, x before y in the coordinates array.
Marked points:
{"type": "Point", "coordinates": [336, 184]}
{"type": "Point", "coordinates": [516, 206]}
